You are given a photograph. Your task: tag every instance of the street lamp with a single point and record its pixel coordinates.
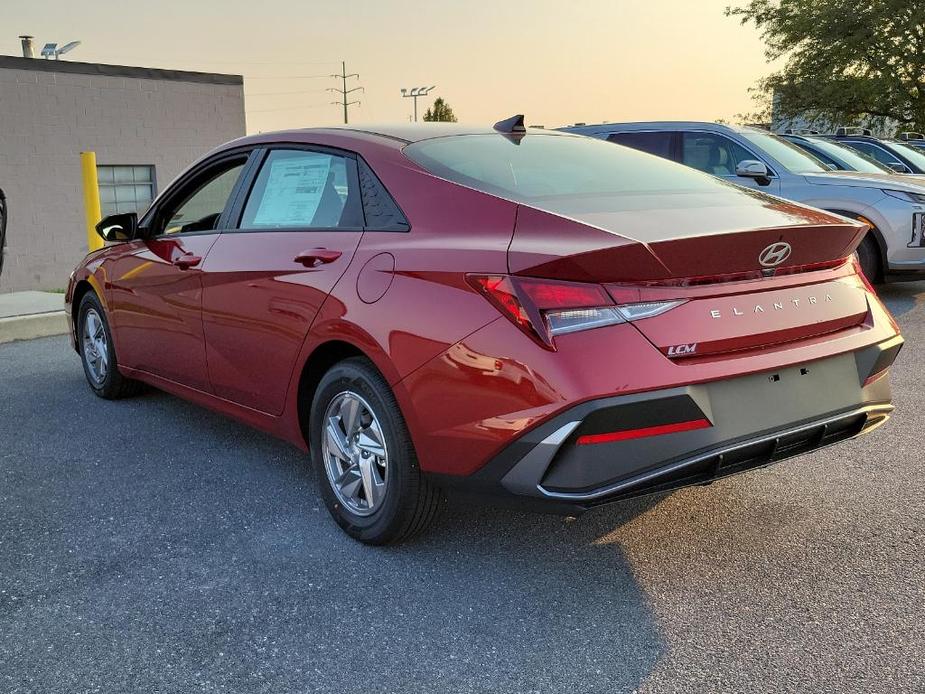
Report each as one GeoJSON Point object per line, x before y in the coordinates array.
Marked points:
{"type": "Point", "coordinates": [414, 93]}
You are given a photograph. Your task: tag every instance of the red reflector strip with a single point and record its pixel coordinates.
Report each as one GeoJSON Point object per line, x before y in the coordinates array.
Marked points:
{"type": "Point", "coordinates": [644, 432]}
{"type": "Point", "coordinates": [875, 377]}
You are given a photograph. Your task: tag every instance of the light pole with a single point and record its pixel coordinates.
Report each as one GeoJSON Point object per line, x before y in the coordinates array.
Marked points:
{"type": "Point", "coordinates": [414, 93]}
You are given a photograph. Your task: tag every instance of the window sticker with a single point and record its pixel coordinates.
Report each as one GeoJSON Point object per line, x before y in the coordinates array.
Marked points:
{"type": "Point", "coordinates": [293, 191]}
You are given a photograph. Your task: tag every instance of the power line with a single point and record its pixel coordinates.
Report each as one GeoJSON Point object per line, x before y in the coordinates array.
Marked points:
{"type": "Point", "coordinates": [303, 91]}
{"type": "Point", "coordinates": [277, 62]}
{"type": "Point", "coordinates": [344, 92]}
{"type": "Point", "coordinates": [286, 108]}
{"type": "Point", "coordinates": [290, 77]}
{"type": "Point", "coordinates": [199, 61]}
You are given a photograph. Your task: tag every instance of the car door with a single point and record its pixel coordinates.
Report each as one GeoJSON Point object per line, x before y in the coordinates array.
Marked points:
{"type": "Point", "coordinates": [299, 222]}
{"type": "Point", "coordinates": [718, 155]}
{"type": "Point", "coordinates": [155, 283]}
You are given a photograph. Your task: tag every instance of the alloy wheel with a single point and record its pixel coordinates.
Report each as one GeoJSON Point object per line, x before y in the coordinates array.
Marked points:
{"type": "Point", "coordinates": [355, 454]}
{"type": "Point", "coordinates": [94, 347]}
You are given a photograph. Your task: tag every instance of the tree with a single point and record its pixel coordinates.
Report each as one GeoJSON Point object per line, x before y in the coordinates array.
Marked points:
{"type": "Point", "coordinates": [845, 59]}
{"type": "Point", "coordinates": [440, 112]}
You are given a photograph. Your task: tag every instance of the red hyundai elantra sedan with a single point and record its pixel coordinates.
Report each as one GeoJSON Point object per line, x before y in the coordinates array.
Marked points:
{"type": "Point", "coordinates": [519, 313]}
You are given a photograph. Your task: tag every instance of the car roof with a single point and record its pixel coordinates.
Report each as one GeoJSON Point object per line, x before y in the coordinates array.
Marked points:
{"type": "Point", "coordinates": [870, 138]}
{"type": "Point", "coordinates": [661, 125]}
{"type": "Point", "coordinates": [818, 137]}
{"type": "Point", "coordinates": [399, 133]}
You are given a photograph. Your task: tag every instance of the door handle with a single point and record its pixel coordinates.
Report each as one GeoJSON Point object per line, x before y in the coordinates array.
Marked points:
{"type": "Point", "coordinates": [185, 262]}
{"type": "Point", "coordinates": [316, 257]}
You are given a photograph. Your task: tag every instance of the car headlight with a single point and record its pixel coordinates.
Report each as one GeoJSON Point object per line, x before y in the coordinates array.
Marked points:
{"type": "Point", "coordinates": [907, 196]}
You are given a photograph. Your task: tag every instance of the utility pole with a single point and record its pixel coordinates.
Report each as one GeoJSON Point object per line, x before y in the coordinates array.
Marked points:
{"type": "Point", "coordinates": [414, 93]}
{"type": "Point", "coordinates": [344, 92]}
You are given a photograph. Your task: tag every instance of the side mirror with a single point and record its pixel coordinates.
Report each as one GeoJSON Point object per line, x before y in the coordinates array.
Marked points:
{"type": "Point", "coordinates": [899, 167]}
{"type": "Point", "coordinates": [752, 168]}
{"type": "Point", "coordinates": [118, 227]}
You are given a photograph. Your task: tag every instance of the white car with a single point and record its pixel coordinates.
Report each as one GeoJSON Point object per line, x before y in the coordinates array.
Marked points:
{"type": "Point", "coordinates": [893, 205]}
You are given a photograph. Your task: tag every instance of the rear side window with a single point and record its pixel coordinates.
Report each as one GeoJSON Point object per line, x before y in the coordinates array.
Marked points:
{"type": "Point", "coordinates": [303, 189]}
{"type": "Point", "coordinates": [658, 144]}
{"type": "Point", "coordinates": [713, 154]}
{"type": "Point", "coordinates": [381, 211]}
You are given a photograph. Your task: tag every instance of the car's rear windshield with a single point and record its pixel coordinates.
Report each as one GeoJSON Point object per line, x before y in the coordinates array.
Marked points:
{"type": "Point", "coordinates": [544, 167]}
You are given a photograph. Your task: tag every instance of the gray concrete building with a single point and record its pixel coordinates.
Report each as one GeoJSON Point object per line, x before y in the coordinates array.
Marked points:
{"type": "Point", "coordinates": [145, 125]}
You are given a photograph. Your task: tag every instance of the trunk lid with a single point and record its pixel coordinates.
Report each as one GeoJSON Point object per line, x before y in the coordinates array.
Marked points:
{"type": "Point", "coordinates": [707, 255]}
{"type": "Point", "coordinates": [749, 315]}
{"type": "Point", "coordinates": [652, 237]}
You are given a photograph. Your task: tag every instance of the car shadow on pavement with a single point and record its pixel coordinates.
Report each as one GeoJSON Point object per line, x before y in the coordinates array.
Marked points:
{"type": "Point", "coordinates": [901, 297]}
{"type": "Point", "coordinates": [149, 544]}
{"type": "Point", "coordinates": [489, 599]}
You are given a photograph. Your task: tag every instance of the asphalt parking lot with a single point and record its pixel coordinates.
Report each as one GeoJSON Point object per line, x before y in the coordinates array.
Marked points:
{"type": "Point", "coordinates": [149, 545]}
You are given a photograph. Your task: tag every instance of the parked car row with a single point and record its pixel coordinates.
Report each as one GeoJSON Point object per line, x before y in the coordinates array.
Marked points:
{"type": "Point", "coordinates": [518, 313]}
{"type": "Point", "coordinates": [828, 172]}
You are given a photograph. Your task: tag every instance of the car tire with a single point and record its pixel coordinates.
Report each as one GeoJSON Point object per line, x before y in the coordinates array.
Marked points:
{"type": "Point", "coordinates": [97, 353]}
{"type": "Point", "coordinates": [364, 460]}
{"type": "Point", "coordinates": [869, 258]}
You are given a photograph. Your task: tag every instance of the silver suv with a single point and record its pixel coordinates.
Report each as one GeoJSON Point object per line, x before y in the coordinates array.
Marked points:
{"type": "Point", "coordinates": [893, 205]}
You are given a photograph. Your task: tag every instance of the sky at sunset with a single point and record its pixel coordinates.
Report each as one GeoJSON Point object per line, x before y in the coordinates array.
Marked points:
{"type": "Point", "coordinates": [557, 62]}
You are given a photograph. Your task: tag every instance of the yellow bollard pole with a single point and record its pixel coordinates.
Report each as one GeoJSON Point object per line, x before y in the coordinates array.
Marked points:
{"type": "Point", "coordinates": [92, 212]}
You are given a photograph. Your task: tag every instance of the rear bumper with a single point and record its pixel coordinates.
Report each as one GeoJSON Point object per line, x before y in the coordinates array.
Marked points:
{"type": "Point", "coordinates": [742, 423]}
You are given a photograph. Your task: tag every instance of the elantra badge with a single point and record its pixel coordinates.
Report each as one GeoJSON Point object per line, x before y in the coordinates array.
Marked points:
{"type": "Point", "coordinates": [774, 254]}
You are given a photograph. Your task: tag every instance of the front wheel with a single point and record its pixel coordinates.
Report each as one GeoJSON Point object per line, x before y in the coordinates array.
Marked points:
{"type": "Point", "coordinates": [97, 352]}
{"type": "Point", "coordinates": [364, 459]}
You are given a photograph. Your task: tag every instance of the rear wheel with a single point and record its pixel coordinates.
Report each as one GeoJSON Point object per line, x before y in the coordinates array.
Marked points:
{"type": "Point", "coordinates": [869, 257]}
{"type": "Point", "coordinates": [364, 460]}
{"type": "Point", "coordinates": [97, 352]}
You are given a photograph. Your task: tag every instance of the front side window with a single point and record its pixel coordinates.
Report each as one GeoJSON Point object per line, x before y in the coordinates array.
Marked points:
{"type": "Point", "coordinates": [202, 208]}
{"type": "Point", "coordinates": [914, 155]}
{"type": "Point", "coordinates": [877, 153]}
{"type": "Point", "coordinates": [125, 188]}
{"type": "Point", "coordinates": [300, 189]}
{"type": "Point", "coordinates": [655, 143]}
{"type": "Point", "coordinates": [845, 157]}
{"type": "Point", "coordinates": [712, 153]}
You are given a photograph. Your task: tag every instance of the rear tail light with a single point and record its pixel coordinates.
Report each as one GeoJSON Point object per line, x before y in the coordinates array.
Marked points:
{"type": "Point", "coordinates": [859, 271]}
{"type": "Point", "coordinates": [875, 377]}
{"type": "Point", "coordinates": [546, 308]}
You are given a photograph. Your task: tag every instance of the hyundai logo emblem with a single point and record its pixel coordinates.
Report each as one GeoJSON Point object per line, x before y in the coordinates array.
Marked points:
{"type": "Point", "coordinates": [774, 254]}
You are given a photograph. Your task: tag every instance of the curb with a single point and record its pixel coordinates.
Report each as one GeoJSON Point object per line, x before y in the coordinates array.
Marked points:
{"type": "Point", "coordinates": [32, 326]}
